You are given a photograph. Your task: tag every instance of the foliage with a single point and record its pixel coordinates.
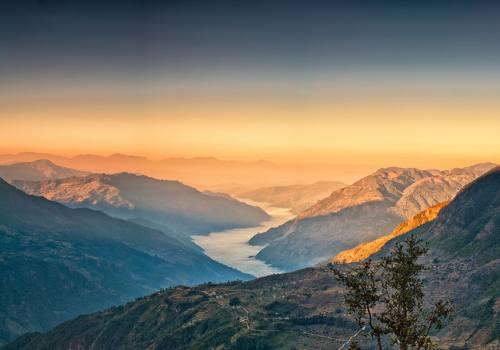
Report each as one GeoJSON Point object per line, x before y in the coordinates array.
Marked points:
{"type": "Point", "coordinates": [234, 301]}
{"type": "Point", "coordinates": [388, 296]}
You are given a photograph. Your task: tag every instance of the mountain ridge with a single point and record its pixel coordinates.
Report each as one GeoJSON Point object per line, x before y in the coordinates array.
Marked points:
{"type": "Point", "coordinates": [170, 203]}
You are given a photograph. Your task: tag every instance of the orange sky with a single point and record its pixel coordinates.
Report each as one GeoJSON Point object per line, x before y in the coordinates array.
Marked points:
{"type": "Point", "coordinates": [379, 129]}
{"type": "Point", "coordinates": [408, 119]}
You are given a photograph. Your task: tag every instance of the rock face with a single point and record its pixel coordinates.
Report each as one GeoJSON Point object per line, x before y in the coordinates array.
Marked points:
{"type": "Point", "coordinates": [57, 262]}
{"type": "Point", "coordinates": [385, 185]}
{"type": "Point", "coordinates": [171, 204]}
{"type": "Point", "coordinates": [365, 250]}
{"type": "Point", "coordinates": [438, 188]}
{"type": "Point", "coordinates": [41, 169]}
{"type": "Point", "coordinates": [296, 197]}
{"type": "Point", "coordinates": [361, 212]}
{"type": "Point", "coordinates": [304, 307]}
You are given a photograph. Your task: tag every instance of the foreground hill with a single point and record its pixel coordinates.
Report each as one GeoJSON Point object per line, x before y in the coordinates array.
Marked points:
{"type": "Point", "coordinates": [41, 169]}
{"type": "Point", "coordinates": [361, 212]}
{"type": "Point", "coordinates": [57, 262]}
{"type": "Point", "coordinates": [150, 201]}
{"type": "Point", "coordinates": [303, 309]}
{"type": "Point", "coordinates": [296, 197]}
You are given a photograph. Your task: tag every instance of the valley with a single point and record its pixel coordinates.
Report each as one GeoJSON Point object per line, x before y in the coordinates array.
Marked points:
{"type": "Point", "coordinates": [231, 247]}
{"type": "Point", "coordinates": [304, 309]}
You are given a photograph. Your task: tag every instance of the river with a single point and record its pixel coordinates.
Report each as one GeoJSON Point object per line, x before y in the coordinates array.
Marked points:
{"type": "Point", "coordinates": [231, 247]}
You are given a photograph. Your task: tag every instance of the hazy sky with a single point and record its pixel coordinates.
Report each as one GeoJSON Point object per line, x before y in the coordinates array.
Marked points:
{"type": "Point", "coordinates": [363, 81]}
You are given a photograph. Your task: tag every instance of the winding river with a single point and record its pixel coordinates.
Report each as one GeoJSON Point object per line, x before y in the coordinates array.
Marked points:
{"type": "Point", "coordinates": [231, 247]}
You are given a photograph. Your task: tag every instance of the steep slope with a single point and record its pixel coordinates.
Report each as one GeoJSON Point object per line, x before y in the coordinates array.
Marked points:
{"type": "Point", "coordinates": [41, 169]}
{"type": "Point", "coordinates": [296, 197]}
{"type": "Point", "coordinates": [364, 250]}
{"type": "Point", "coordinates": [169, 203]}
{"type": "Point", "coordinates": [304, 308]}
{"type": "Point", "coordinates": [464, 260]}
{"type": "Point", "coordinates": [361, 212]}
{"type": "Point", "coordinates": [57, 262]}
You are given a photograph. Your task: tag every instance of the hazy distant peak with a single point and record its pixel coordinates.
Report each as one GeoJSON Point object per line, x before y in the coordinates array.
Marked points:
{"type": "Point", "coordinates": [39, 169]}
{"type": "Point", "coordinates": [43, 162]}
{"type": "Point", "coordinates": [297, 197]}
{"type": "Point", "coordinates": [126, 156]}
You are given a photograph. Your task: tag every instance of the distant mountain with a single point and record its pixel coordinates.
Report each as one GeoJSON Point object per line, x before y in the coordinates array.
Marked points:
{"type": "Point", "coordinates": [205, 173]}
{"type": "Point", "coordinates": [306, 307]}
{"type": "Point", "coordinates": [41, 169]}
{"type": "Point", "coordinates": [365, 250]}
{"type": "Point", "coordinates": [296, 197]}
{"type": "Point", "coordinates": [361, 212]}
{"type": "Point", "coordinates": [168, 203]}
{"type": "Point", "coordinates": [57, 262]}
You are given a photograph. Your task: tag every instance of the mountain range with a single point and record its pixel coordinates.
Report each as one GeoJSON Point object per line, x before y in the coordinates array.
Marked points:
{"type": "Point", "coordinates": [58, 262]}
{"type": "Point", "coordinates": [295, 197]}
{"type": "Point", "coordinates": [304, 309]}
{"type": "Point", "coordinates": [205, 173]}
{"type": "Point", "coordinates": [361, 212]}
{"type": "Point", "coordinates": [165, 204]}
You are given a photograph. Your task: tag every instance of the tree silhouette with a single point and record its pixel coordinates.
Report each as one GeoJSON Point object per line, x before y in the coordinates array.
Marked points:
{"type": "Point", "coordinates": [388, 297]}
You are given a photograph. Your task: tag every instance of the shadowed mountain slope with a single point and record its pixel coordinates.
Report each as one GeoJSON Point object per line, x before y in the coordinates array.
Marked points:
{"type": "Point", "coordinates": [57, 262]}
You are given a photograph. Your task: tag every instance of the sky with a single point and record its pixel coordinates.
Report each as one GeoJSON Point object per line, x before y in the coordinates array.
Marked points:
{"type": "Point", "coordinates": [375, 82]}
